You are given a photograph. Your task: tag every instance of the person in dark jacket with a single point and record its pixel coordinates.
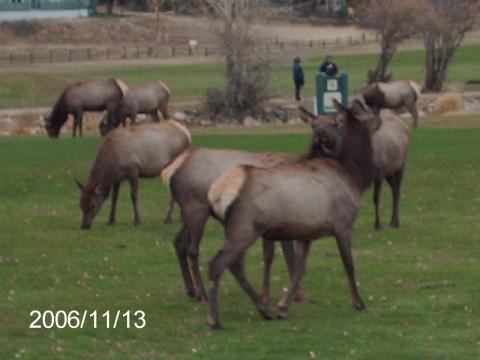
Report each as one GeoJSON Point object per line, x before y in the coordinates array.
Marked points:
{"type": "Point", "coordinates": [329, 67]}
{"type": "Point", "coordinates": [298, 77]}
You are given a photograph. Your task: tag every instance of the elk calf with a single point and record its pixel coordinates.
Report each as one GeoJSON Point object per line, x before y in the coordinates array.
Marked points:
{"type": "Point", "coordinates": [141, 151]}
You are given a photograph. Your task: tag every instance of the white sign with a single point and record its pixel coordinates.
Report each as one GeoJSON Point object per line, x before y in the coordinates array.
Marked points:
{"type": "Point", "coordinates": [328, 101]}
{"type": "Point", "coordinates": [332, 85]}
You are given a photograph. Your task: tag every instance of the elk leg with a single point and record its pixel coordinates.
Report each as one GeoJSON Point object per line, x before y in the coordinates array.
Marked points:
{"type": "Point", "coordinates": [345, 248]}
{"type": "Point", "coordinates": [78, 122]}
{"type": "Point", "coordinates": [377, 189]}
{"type": "Point", "coordinates": [171, 206]}
{"type": "Point", "coordinates": [236, 245]}
{"type": "Point", "coordinates": [154, 115]}
{"type": "Point", "coordinates": [395, 183]}
{"type": "Point", "coordinates": [413, 111]}
{"type": "Point", "coordinates": [164, 111]}
{"type": "Point", "coordinates": [113, 209]}
{"type": "Point", "coordinates": [289, 256]}
{"type": "Point", "coordinates": [195, 236]}
{"type": "Point", "coordinates": [180, 244]}
{"type": "Point", "coordinates": [301, 254]}
{"type": "Point", "coordinates": [134, 197]}
{"type": "Point", "coordinates": [238, 270]}
{"type": "Point", "coordinates": [268, 254]}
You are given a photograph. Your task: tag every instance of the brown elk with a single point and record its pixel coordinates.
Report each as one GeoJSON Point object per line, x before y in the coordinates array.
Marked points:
{"type": "Point", "coordinates": [89, 95]}
{"type": "Point", "coordinates": [302, 201]}
{"type": "Point", "coordinates": [140, 99]}
{"type": "Point", "coordinates": [393, 95]}
{"type": "Point", "coordinates": [190, 177]}
{"type": "Point", "coordinates": [390, 148]}
{"type": "Point", "coordinates": [140, 151]}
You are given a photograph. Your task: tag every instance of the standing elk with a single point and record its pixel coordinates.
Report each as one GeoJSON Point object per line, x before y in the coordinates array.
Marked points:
{"type": "Point", "coordinates": [393, 95]}
{"type": "Point", "coordinates": [390, 148]}
{"type": "Point", "coordinates": [140, 99]}
{"type": "Point", "coordinates": [89, 95]}
{"type": "Point", "coordinates": [141, 151]}
{"type": "Point", "coordinates": [191, 175]}
{"type": "Point", "coordinates": [302, 201]}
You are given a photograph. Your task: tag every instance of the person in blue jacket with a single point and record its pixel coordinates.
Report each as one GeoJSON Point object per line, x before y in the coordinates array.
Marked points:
{"type": "Point", "coordinates": [298, 77]}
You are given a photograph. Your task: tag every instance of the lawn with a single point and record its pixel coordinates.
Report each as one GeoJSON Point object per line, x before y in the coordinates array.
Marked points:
{"type": "Point", "coordinates": [41, 86]}
{"type": "Point", "coordinates": [420, 282]}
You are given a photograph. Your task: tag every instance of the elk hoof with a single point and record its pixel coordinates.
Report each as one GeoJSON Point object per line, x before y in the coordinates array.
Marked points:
{"type": "Point", "coordinates": [265, 298]}
{"type": "Point", "coordinates": [265, 312]}
{"type": "Point", "coordinates": [301, 297]}
{"type": "Point", "coordinates": [359, 305]}
{"type": "Point", "coordinates": [214, 324]}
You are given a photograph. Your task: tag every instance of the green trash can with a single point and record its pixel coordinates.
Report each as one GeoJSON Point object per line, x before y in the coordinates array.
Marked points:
{"type": "Point", "coordinates": [329, 88]}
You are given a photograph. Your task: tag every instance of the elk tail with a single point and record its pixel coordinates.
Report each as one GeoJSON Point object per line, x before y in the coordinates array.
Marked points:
{"type": "Point", "coordinates": [172, 168]}
{"type": "Point", "coordinates": [417, 88]}
{"type": "Point", "coordinates": [225, 190]}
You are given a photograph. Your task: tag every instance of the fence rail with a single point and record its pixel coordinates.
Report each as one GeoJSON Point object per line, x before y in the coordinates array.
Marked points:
{"type": "Point", "coordinates": [36, 55]}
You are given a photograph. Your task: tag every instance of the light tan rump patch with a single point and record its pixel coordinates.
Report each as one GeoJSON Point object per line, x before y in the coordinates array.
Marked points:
{"type": "Point", "coordinates": [162, 84]}
{"type": "Point", "coordinates": [225, 190]}
{"type": "Point", "coordinates": [417, 88]}
{"type": "Point", "coordinates": [182, 128]}
{"type": "Point", "coordinates": [171, 169]}
{"type": "Point", "coordinates": [123, 87]}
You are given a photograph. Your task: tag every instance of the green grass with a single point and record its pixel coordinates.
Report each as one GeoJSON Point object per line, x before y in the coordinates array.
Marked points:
{"type": "Point", "coordinates": [420, 282]}
{"type": "Point", "coordinates": [40, 87]}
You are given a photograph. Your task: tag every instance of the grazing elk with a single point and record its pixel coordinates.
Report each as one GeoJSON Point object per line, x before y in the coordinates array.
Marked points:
{"type": "Point", "coordinates": [393, 95]}
{"type": "Point", "coordinates": [140, 99]}
{"type": "Point", "coordinates": [302, 201]}
{"type": "Point", "coordinates": [190, 177]}
{"type": "Point", "coordinates": [89, 95]}
{"type": "Point", "coordinates": [129, 154]}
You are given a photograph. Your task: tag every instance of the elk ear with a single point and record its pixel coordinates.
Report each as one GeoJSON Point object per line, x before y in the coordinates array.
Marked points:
{"type": "Point", "coordinates": [358, 107]}
{"type": "Point", "coordinates": [306, 115]}
{"type": "Point", "coordinates": [342, 111]}
{"type": "Point", "coordinates": [79, 184]}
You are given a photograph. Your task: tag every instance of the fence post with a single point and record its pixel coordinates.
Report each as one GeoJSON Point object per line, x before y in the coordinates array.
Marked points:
{"type": "Point", "coordinates": [311, 43]}
{"type": "Point", "coordinates": [364, 37]}
{"type": "Point", "coordinates": [324, 43]}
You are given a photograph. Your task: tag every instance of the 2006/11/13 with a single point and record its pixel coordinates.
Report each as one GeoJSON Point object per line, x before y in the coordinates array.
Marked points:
{"type": "Point", "coordinates": [78, 320]}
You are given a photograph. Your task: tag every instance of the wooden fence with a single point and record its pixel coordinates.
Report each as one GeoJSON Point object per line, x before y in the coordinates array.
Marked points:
{"type": "Point", "coordinates": [143, 51]}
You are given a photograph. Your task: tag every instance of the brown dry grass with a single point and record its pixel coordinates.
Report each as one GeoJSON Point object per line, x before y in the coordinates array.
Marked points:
{"type": "Point", "coordinates": [449, 103]}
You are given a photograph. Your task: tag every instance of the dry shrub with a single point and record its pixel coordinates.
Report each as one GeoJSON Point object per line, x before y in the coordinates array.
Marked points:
{"type": "Point", "coordinates": [449, 103]}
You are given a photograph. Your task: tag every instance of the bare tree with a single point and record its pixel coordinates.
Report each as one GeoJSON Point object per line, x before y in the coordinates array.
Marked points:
{"type": "Point", "coordinates": [393, 21]}
{"type": "Point", "coordinates": [247, 73]}
{"type": "Point", "coordinates": [444, 24]}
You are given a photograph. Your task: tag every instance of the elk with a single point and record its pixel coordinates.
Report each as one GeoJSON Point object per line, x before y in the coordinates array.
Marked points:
{"type": "Point", "coordinates": [141, 151]}
{"type": "Point", "coordinates": [191, 175]}
{"type": "Point", "coordinates": [89, 95]}
{"type": "Point", "coordinates": [140, 99]}
{"type": "Point", "coordinates": [390, 148]}
{"type": "Point", "coordinates": [393, 95]}
{"type": "Point", "coordinates": [303, 201]}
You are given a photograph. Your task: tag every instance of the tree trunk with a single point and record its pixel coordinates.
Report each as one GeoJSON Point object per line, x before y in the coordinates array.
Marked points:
{"type": "Point", "coordinates": [110, 4]}
{"type": "Point", "coordinates": [389, 48]}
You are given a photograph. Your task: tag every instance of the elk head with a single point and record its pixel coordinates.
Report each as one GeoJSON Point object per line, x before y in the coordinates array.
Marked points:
{"type": "Point", "coordinates": [326, 133]}
{"type": "Point", "coordinates": [91, 200]}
